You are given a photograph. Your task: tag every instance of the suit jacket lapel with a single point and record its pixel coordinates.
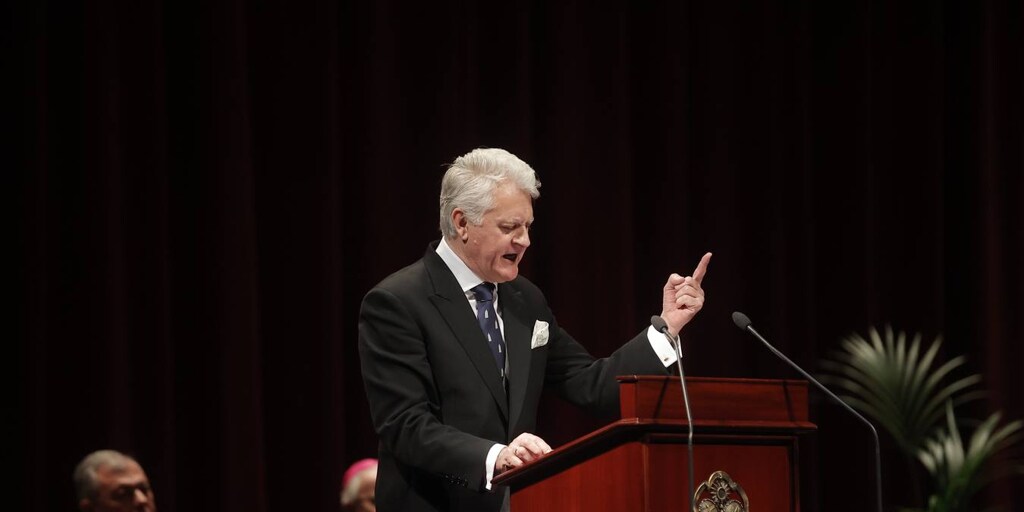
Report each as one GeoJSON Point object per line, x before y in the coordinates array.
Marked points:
{"type": "Point", "coordinates": [518, 330]}
{"type": "Point", "coordinates": [451, 303]}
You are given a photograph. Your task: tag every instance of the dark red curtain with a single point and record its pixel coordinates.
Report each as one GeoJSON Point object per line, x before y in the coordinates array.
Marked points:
{"type": "Point", "coordinates": [203, 191]}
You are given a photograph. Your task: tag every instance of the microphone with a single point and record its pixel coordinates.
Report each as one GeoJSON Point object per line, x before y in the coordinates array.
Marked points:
{"type": "Point", "coordinates": [659, 323]}
{"type": "Point", "coordinates": [743, 322]}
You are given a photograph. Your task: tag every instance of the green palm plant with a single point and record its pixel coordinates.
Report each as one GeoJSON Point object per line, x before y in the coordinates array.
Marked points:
{"type": "Point", "coordinates": [956, 472]}
{"type": "Point", "coordinates": [894, 383]}
{"type": "Point", "coordinates": [902, 387]}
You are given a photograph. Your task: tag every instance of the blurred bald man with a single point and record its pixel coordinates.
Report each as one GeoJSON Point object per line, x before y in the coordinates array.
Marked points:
{"type": "Point", "coordinates": [110, 481]}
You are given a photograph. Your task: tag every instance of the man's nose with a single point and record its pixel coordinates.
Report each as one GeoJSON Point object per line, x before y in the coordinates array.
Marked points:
{"type": "Point", "coordinates": [523, 238]}
{"type": "Point", "coordinates": [141, 496]}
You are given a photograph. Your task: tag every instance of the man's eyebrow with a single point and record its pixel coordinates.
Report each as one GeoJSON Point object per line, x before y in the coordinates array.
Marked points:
{"type": "Point", "coordinates": [136, 485]}
{"type": "Point", "coordinates": [515, 220]}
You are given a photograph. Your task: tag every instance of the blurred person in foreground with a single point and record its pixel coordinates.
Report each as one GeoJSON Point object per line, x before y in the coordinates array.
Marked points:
{"type": "Point", "coordinates": [456, 348]}
{"type": "Point", "coordinates": [357, 486]}
{"type": "Point", "coordinates": [110, 481]}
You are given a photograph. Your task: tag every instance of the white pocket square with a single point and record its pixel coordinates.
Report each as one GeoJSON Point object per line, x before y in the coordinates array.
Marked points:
{"type": "Point", "coordinates": [540, 334]}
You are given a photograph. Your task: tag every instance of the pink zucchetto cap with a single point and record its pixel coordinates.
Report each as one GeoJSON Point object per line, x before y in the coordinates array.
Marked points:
{"type": "Point", "coordinates": [355, 468]}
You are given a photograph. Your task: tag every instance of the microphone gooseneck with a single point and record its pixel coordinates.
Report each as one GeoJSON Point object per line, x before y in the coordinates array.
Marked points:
{"type": "Point", "coordinates": [743, 322]}
{"type": "Point", "coordinates": [659, 323]}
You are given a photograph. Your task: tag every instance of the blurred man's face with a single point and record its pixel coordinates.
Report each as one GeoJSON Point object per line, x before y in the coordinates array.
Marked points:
{"type": "Point", "coordinates": [121, 490]}
{"type": "Point", "coordinates": [494, 249]}
{"type": "Point", "coordinates": [364, 500]}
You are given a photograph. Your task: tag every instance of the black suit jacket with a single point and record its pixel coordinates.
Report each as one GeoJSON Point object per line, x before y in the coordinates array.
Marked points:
{"type": "Point", "coordinates": [435, 393]}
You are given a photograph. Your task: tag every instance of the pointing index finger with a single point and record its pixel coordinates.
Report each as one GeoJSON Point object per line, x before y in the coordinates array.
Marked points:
{"type": "Point", "coordinates": [702, 268]}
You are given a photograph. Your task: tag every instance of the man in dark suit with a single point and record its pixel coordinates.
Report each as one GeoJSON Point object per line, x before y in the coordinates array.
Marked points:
{"type": "Point", "coordinates": [456, 348]}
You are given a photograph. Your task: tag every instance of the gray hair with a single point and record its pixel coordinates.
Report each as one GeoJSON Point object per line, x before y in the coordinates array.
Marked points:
{"type": "Point", "coordinates": [84, 476]}
{"type": "Point", "coordinates": [469, 182]}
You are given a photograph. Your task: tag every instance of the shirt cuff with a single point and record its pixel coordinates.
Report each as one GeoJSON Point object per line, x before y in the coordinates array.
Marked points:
{"type": "Point", "coordinates": [492, 457]}
{"type": "Point", "coordinates": [662, 346]}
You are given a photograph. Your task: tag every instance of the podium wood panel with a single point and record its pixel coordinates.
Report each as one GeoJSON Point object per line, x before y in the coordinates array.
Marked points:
{"type": "Point", "coordinates": [763, 470]}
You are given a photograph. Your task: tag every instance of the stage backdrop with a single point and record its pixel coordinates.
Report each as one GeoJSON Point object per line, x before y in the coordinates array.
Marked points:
{"type": "Point", "coordinates": [202, 192]}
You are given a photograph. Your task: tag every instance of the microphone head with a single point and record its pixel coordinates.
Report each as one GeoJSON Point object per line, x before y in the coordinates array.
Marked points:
{"type": "Point", "coordinates": [659, 323]}
{"type": "Point", "coordinates": [740, 320]}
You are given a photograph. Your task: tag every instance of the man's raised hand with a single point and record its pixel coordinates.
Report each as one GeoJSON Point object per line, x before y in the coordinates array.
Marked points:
{"type": "Point", "coordinates": [683, 297]}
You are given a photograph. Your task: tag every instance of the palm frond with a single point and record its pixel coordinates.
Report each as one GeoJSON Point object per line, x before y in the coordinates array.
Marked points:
{"type": "Point", "coordinates": [891, 379]}
{"type": "Point", "coordinates": [899, 383]}
{"type": "Point", "coordinates": [956, 472]}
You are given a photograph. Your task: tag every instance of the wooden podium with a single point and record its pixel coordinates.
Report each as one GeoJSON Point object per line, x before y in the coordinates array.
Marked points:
{"type": "Point", "coordinates": [745, 451]}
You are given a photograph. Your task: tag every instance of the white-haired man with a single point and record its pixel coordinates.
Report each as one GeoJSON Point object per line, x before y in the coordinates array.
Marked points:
{"type": "Point", "coordinates": [456, 348]}
{"type": "Point", "coordinates": [357, 486]}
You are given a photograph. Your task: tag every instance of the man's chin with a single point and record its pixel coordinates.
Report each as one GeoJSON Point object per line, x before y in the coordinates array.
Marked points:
{"type": "Point", "coordinates": [508, 274]}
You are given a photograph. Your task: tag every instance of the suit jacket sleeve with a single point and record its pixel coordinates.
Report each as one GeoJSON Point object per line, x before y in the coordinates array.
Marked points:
{"type": "Point", "coordinates": [575, 375]}
{"type": "Point", "coordinates": [591, 383]}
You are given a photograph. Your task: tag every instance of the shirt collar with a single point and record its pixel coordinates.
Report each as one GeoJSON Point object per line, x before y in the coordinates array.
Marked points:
{"type": "Point", "coordinates": [466, 278]}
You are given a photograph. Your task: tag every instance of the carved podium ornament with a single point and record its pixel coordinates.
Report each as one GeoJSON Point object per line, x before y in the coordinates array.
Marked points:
{"type": "Point", "coordinates": [720, 494]}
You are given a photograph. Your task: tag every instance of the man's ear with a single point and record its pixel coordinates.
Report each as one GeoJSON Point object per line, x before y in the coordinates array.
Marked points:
{"type": "Point", "coordinates": [85, 505]}
{"type": "Point", "coordinates": [461, 223]}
